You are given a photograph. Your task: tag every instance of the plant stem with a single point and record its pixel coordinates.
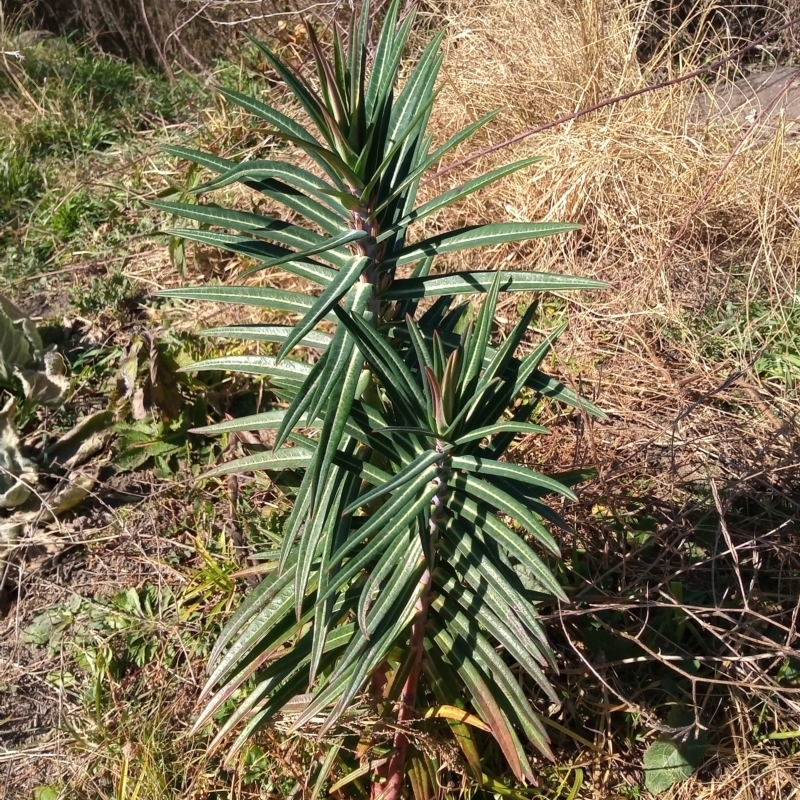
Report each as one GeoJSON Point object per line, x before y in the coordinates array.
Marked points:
{"type": "Point", "coordinates": [396, 769]}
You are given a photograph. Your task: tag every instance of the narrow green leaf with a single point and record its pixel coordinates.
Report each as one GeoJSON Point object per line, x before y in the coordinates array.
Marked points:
{"type": "Point", "coordinates": [500, 427]}
{"type": "Point", "coordinates": [459, 193]}
{"type": "Point", "coordinates": [269, 333]}
{"type": "Point", "coordinates": [472, 513]}
{"type": "Point", "coordinates": [403, 582]}
{"type": "Point", "coordinates": [408, 473]}
{"type": "Point", "coordinates": [503, 469]}
{"type": "Point", "coordinates": [261, 169]}
{"type": "Point", "coordinates": [252, 365]}
{"type": "Point", "coordinates": [256, 224]}
{"type": "Point", "coordinates": [299, 88]}
{"type": "Point", "coordinates": [258, 296]}
{"type": "Point", "coordinates": [323, 305]}
{"type": "Point", "coordinates": [478, 282]}
{"type": "Point", "coordinates": [482, 236]}
{"type": "Point", "coordinates": [495, 497]}
{"type": "Point", "coordinates": [484, 700]}
{"type": "Point", "coordinates": [396, 376]}
{"type": "Point", "coordinates": [430, 160]}
{"type": "Point", "coordinates": [344, 238]}
{"type": "Point", "coordinates": [288, 458]}
{"type": "Point", "coordinates": [260, 250]}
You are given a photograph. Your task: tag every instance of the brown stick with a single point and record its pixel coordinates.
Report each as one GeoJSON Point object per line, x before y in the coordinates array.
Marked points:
{"type": "Point", "coordinates": [162, 58]}
{"type": "Point", "coordinates": [610, 101]}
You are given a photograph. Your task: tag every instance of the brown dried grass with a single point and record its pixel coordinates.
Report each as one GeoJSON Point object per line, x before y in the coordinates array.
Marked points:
{"type": "Point", "coordinates": [675, 224]}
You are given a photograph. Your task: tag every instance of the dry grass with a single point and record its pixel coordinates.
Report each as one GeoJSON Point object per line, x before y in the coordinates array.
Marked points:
{"type": "Point", "coordinates": [677, 226]}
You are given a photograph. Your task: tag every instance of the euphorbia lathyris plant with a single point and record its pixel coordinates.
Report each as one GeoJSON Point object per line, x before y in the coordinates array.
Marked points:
{"type": "Point", "coordinates": [410, 561]}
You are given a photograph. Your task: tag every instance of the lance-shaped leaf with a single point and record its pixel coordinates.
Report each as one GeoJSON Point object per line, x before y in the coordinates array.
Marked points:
{"type": "Point", "coordinates": [488, 709]}
{"type": "Point", "coordinates": [257, 296]}
{"type": "Point", "coordinates": [257, 224]}
{"type": "Point", "coordinates": [408, 473]}
{"type": "Point", "coordinates": [478, 236]}
{"type": "Point", "coordinates": [479, 282]}
{"type": "Point", "coordinates": [459, 193]}
{"type": "Point", "coordinates": [252, 365]}
{"type": "Point", "coordinates": [261, 251]}
{"type": "Point", "coordinates": [481, 516]}
{"type": "Point", "coordinates": [514, 472]}
{"type": "Point", "coordinates": [325, 303]}
{"type": "Point", "coordinates": [345, 238]}
{"type": "Point", "coordinates": [269, 333]}
{"type": "Point", "coordinates": [287, 458]}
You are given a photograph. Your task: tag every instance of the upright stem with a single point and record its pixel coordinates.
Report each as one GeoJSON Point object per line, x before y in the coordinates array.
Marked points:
{"type": "Point", "coordinates": [395, 771]}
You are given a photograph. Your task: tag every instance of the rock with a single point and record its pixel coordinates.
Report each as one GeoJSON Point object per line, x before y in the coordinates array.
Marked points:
{"type": "Point", "coordinates": [735, 106]}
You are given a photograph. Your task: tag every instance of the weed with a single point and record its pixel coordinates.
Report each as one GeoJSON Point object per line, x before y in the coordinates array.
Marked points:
{"type": "Point", "coordinates": [21, 182]}
{"type": "Point", "coordinates": [103, 294]}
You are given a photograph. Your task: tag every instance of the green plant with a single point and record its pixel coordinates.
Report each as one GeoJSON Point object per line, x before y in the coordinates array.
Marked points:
{"type": "Point", "coordinates": [398, 574]}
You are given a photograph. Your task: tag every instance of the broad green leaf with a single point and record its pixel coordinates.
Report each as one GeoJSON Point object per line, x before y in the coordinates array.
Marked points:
{"type": "Point", "coordinates": [668, 761]}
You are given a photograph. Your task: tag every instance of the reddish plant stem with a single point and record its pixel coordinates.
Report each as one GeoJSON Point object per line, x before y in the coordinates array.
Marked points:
{"type": "Point", "coordinates": [394, 771]}
{"type": "Point", "coordinates": [396, 768]}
